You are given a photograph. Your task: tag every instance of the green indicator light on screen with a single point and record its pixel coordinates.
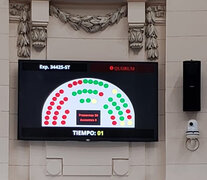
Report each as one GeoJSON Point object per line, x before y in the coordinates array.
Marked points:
{"type": "Point", "coordinates": [74, 93]}
{"type": "Point", "coordinates": [105, 106]}
{"type": "Point", "coordinates": [90, 81]}
{"type": "Point", "coordinates": [95, 92]}
{"type": "Point", "coordinates": [85, 81]}
{"type": "Point", "coordinates": [90, 91]}
{"type": "Point", "coordinates": [95, 82]}
{"type": "Point", "coordinates": [88, 100]}
{"type": "Point", "coordinates": [118, 95]}
{"type": "Point", "coordinates": [85, 91]}
{"type": "Point", "coordinates": [125, 105]}
{"type": "Point", "coordinates": [110, 111]}
{"type": "Point", "coordinates": [81, 100]}
{"type": "Point", "coordinates": [79, 92]}
{"type": "Point", "coordinates": [100, 83]}
{"type": "Point", "coordinates": [122, 100]}
{"type": "Point", "coordinates": [121, 118]}
{"type": "Point", "coordinates": [114, 103]}
{"type": "Point", "coordinates": [120, 112]}
{"type": "Point", "coordinates": [106, 85]}
{"type": "Point", "coordinates": [110, 99]}
{"type": "Point", "coordinates": [118, 108]}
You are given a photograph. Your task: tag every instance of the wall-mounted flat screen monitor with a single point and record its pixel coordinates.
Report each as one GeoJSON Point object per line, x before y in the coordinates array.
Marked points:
{"type": "Point", "coordinates": [87, 100]}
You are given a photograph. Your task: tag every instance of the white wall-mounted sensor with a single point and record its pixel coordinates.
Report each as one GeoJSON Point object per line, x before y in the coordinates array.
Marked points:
{"type": "Point", "coordinates": [192, 135]}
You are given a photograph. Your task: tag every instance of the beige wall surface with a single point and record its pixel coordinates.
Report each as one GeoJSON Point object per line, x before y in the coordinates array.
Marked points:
{"type": "Point", "coordinates": [4, 89]}
{"type": "Point", "coordinates": [185, 40]}
{"type": "Point", "coordinates": [99, 160]}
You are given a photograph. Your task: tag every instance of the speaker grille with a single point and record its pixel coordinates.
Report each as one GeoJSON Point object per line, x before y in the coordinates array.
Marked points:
{"type": "Point", "coordinates": [191, 85]}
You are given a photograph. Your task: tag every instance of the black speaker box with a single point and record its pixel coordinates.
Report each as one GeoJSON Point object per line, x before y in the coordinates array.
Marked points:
{"type": "Point", "coordinates": [191, 85]}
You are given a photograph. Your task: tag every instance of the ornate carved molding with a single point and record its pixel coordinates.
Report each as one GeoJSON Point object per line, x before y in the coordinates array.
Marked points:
{"type": "Point", "coordinates": [151, 44]}
{"type": "Point", "coordinates": [159, 12]}
{"type": "Point", "coordinates": [136, 37]}
{"type": "Point", "coordinates": [90, 24]}
{"type": "Point", "coordinates": [39, 37]}
{"type": "Point", "coordinates": [21, 12]}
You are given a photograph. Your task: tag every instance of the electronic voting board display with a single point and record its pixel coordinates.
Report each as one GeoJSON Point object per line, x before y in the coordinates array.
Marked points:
{"type": "Point", "coordinates": [87, 100]}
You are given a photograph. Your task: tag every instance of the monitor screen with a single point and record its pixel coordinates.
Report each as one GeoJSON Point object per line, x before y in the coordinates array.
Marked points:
{"type": "Point", "coordinates": [88, 100]}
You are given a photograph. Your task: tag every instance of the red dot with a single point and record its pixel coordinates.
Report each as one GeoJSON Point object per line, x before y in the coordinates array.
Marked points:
{"type": "Point", "coordinates": [63, 122]}
{"type": "Point", "coordinates": [61, 102]}
{"type": "Point", "coordinates": [58, 107]}
{"type": "Point", "coordinates": [56, 112]}
{"type": "Point", "coordinates": [55, 117]}
{"type": "Point", "coordinates": [112, 117]}
{"type": "Point", "coordinates": [129, 116]}
{"type": "Point", "coordinates": [111, 68]}
{"type": "Point", "coordinates": [65, 98]}
{"type": "Point", "coordinates": [54, 98]}
{"type": "Point", "coordinates": [52, 103]}
{"type": "Point", "coordinates": [80, 82]}
{"type": "Point", "coordinates": [46, 122]}
{"type": "Point", "coordinates": [61, 91]}
{"type": "Point", "coordinates": [75, 83]}
{"type": "Point", "coordinates": [70, 85]}
{"type": "Point", "coordinates": [57, 94]}
{"type": "Point", "coordinates": [64, 116]}
{"type": "Point", "coordinates": [67, 111]}
{"type": "Point", "coordinates": [48, 112]}
{"type": "Point", "coordinates": [128, 111]}
{"type": "Point", "coordinates": [54, 123]}
{"type": "Point", "coordinates": [49, 107]}
{"type": "Point", "coordinates": [114, 122]}
{"type": "Point", "coordinates": [47, 117]}
{"type": "Point", "coordinates": [101, 94]}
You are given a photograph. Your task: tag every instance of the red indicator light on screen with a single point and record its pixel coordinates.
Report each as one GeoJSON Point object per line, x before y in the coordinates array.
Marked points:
{"type": "Point", "coordinates": [58, 107]}
{"type": "Point", "coordinates": [80, 82]}
{"type": "Point", "coordinates": [54, 123]}
{"type": "Point", "coordinates": [67, 111]}
{"type": "Point", "coordinates": [61, 91]}
{"type": "Point", "coordinates": [111, 68]}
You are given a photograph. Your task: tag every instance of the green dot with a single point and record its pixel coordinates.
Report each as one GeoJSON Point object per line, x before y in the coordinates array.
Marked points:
{"type": "Point", "coordinates": [118, 95]}
{"type": "Point", "coordinates": [106, 85]}
{"type": "Point", "coordinates": [95, 82]}
{"type": "Point", "coordinates": [110, 99]}
{"type": "Point", "coordinates": [114, 103]}
{"type": "Point", "coordinates": [88, 100]}
{"type": "Point", "coordinates": [100, 83]}
{"type": "Point", "coordinates": [121, 118]}
{"type": "Point", "coordinates": [110, 111]}
{"type": "Point", "coordinates": [122, 100]}
{"type": "Point", "coordinates": [90, 91]}
{"type": "Point", "coordinates": [85, 91]}
{"type": "Point", "coordinates": [90, 81]}
{"type": "Point", "coordinates": [95, 92]}
{"type": "Point", "coordinates": [105, 106]}
{"type": "Point", "coordinates": [125, 105]}
{"type": "Point", "coordinates": [118, 108]}
{"type": "Point", "coordinates": [85, 81]}
{"type": "Point", "coordinates": [79, 92]}
{"type": "Point", "coordinates": [74, 93]}
{"type": "Point", "coordinates": [120, 112]}
{"type": "Point", "coordinates": [81, 100]}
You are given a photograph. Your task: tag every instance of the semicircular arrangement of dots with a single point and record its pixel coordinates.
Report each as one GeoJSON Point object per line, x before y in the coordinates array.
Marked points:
{"type": "Point", "coordinates": [88, 94]}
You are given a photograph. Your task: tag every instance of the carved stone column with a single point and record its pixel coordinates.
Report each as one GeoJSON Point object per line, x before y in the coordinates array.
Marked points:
{"type": "Point", "coordinates": [136, 20]}
{"type": "Point", "coordinates": [40, 19]}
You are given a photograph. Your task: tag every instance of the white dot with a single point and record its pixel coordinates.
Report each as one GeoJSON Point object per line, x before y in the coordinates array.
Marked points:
{"type": "Point", "coordinates": [122, 123]}
{"type": "Point", "coordinates": [114, 91]}
{"type": "Point", "coordinates": [94, 101]}
{"type": "Point", "coordinates": [129, 123]}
